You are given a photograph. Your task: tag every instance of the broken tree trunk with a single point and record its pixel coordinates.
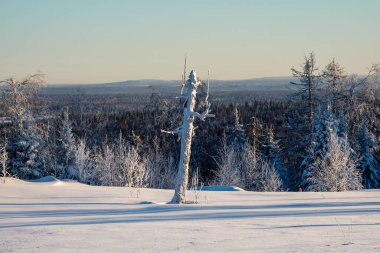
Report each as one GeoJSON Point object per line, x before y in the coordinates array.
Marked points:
{"type": "Point", "coordinates": [186, 131]}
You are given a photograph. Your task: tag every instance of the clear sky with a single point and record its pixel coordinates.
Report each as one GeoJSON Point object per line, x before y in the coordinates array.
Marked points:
{"type": "Point", "coordinates": [87, 41]}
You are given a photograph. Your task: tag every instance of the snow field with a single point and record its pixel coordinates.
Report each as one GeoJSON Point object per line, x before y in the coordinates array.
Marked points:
{"type": "Point", "coordinates": [64, 216]}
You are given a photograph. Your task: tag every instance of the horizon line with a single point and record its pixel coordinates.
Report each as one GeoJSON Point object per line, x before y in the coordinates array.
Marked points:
{"type": "Point", "coordinates": [166, 80]}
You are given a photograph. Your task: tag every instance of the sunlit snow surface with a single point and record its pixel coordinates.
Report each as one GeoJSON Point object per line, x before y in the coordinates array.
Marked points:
{"type": "Point", "coordinates": [49, 215]}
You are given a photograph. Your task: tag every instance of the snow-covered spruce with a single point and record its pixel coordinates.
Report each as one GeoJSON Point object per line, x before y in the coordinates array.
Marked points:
{"type": "Point", "coordinates": [271, 154]}
{"type": "Point", "coordinates": [25, 143]}
{"type": "Point", "coordinates": [330, 163]}
{"type": "Point", "coordinates": [367, 162]}
{"type": "Point", "coordinates": [66, 150]}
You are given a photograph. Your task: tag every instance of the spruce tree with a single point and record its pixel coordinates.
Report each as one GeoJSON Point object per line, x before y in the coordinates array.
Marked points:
{"type": "Point", "coordinates": [335, 170]}
{"type": "Point", "coordinates": [26, 159]}
{"type": "Point", "coordinates": [271, 154]}
{"type": "Point", "coordinates": [330, 163]}
{"type": "Point", "coordinates": [309, 79]}
{"type": "Point", "coordinates": [367, 162]}
{"type": "Point", "coordinates": [66, 149]}
{"type": "Point", "coordinates": [334, 77]}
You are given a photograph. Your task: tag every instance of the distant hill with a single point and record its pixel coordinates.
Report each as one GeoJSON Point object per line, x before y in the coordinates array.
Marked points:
{"type": "Point", "coordinates": [171, 86]}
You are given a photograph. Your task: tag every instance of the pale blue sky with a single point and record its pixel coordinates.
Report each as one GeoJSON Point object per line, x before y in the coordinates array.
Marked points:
{"type": "Point", "coordinates": [86, 41]}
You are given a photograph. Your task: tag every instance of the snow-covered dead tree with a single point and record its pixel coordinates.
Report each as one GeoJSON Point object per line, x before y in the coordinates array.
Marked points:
{"type": "Point", "coordinates": [186, 132]}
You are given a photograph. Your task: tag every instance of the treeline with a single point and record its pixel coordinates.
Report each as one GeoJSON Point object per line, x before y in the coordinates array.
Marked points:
{"type": "Point", "coordinates": [323, 138]}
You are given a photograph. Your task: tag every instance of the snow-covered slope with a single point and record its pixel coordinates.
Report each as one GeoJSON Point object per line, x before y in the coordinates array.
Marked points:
{"type": "Point", "coordinates": [54, 216]}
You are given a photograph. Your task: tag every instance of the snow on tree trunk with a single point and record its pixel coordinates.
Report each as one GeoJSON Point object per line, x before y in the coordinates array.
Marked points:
{"type": "Point", "coordinates": [186, 131]}
{"type": "Point", "coordinates": [3, 160]}
{"type": "Point", "coordinates": [186, 138]}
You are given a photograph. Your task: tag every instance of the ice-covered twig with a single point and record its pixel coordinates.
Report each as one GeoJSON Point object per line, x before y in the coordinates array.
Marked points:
{"type": "Point", "coordinates": [175, 131]}
{"type": "Point", "coordinates": [208, 85]}
{"type": "Point", "coordinates": [183, 77]}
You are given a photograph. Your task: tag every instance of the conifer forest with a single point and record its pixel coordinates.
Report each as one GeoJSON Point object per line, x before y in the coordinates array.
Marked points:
{"type": "Point", "coordinates": [321, 133]}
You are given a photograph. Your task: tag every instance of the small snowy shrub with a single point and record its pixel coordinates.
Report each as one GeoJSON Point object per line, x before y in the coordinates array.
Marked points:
{"type": "Point", "coordinates": [83, 164]}
{"type": "Point", "coordinates": [229, 165]}
{"type": "Point", "coordinates": [268, 178]}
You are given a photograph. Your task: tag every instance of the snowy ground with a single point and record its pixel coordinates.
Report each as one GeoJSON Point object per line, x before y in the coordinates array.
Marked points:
{"type": "Point", "coordinates": [55, 216]}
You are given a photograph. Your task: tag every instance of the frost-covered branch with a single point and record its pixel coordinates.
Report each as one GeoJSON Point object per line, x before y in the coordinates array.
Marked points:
{"type": "Point", "coordinates": [183, 78]}
{"type": "Point", "coordinates": [175, 131]}
{"type": "Point", "coordinates": [205, 114]}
